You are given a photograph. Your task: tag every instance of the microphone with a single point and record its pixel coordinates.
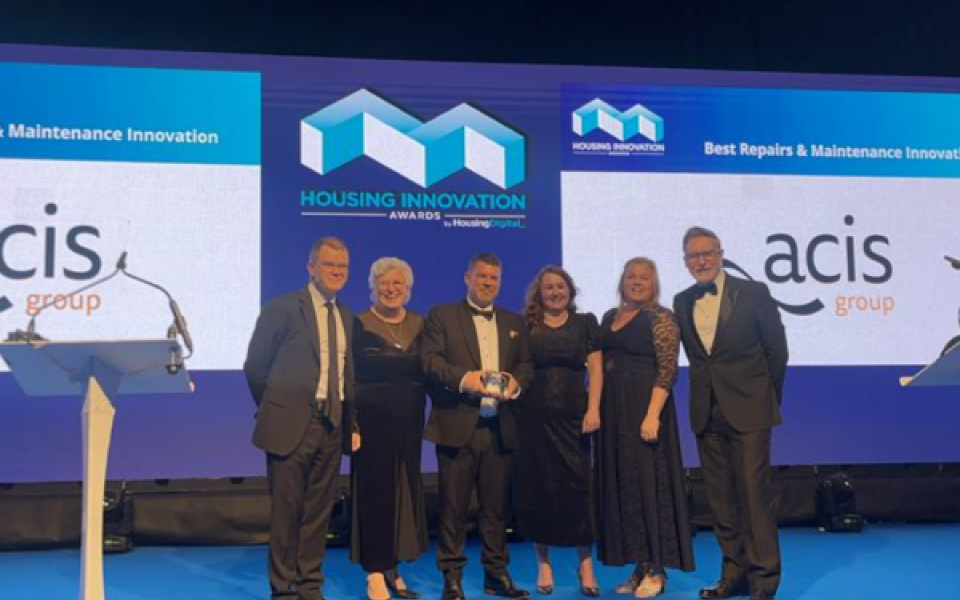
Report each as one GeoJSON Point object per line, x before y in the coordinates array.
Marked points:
{"type": "Point", "coordinates": [31, 333]}
{"type": "Point", "coordinates": [179, 323]}
{"type": "Point", "coordinates": [953, 262]}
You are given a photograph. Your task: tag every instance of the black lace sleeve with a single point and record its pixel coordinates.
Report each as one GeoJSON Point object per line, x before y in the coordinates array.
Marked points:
{"type": "Point", "coordinates": [666, 344]}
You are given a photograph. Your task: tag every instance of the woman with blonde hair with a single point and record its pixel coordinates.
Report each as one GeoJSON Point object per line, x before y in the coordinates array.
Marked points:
{"type": "Point", "coordinates": [640, 482]}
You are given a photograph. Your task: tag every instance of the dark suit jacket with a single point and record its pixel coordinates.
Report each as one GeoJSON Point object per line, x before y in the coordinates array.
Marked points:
{"type": "Point", "coordinates": [749, 360]}
{"type": "Point", "coordinates": [283, 367]}
{"type": "Point", "coordinates": [448, 350]}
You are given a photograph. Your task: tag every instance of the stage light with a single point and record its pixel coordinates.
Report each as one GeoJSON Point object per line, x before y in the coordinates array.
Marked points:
{"type": "Point", "coordinates": [117, 522]}
{"type": "Point", "coordinates": [837, 505]}
{"type": "Point", "coordinates": [338, 532]}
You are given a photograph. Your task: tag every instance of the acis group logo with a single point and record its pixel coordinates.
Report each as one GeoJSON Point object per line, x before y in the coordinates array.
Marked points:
{"type": "Point", "coordinates": [625, 127]}
{"type": "Point", "coordinates": [41, 250]}
{"type": "Point", "coordinates": [829, 259]}
{"type": "Point", "coordinates": [365, 124]}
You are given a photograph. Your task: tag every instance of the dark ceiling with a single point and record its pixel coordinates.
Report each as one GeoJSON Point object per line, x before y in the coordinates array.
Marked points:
{"type": "Point", "coordinates": [909, 37]}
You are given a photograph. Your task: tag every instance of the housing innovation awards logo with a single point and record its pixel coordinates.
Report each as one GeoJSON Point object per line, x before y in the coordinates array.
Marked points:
{"type": "Point", "coordinates": [364, 124]}
{"type": "Point", "coordinates": [423, 152]}
{"type": "Point", "coordinates": [625, 127]}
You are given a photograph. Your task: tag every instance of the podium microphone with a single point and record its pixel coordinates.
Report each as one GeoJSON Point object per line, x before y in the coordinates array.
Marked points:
{"type": "Point", "coordinates": [31, 335]}
{"type": "Point", "coordinates": [953, 262]}
{"type": "Point", "coordinates": [179, 323]}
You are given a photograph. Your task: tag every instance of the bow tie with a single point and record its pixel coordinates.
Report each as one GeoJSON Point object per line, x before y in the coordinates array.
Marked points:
{"type": "Point", "coordinates": [486, 314]}
{"type": "Point", "coordinates": [701, 290]}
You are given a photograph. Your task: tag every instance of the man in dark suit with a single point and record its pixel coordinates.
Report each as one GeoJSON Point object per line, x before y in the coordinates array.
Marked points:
{"type": "Point", "coordinates": [300, 372]}
{"type": "Point", "coordinates": [472, 421]}
{"type": "Point", "coordinates": [737, 348]}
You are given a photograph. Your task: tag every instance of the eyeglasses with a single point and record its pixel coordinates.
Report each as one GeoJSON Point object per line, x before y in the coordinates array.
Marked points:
{"type": "Point", "coordinates": [332, 266]}
{"type": "Point", "coordinates": [698, 256]}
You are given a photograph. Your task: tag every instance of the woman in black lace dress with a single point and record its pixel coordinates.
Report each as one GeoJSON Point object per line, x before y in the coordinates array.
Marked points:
{"type": "Point", "coordinates": [640, 485]}
{"type": "Point", "coordinates": [388, 514]}
{"type": "Point", "coordinates": [557, 416]}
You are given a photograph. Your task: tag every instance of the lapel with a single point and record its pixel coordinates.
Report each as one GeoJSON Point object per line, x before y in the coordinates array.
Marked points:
{"type": "Point", "coordinates": [310, 321]}
{"type": "Point", "coordinates": [469, 333]}
{"type": "Point", "coordinates": [689, 300]}
{"type": "Point", "coordinates": [731, 292]}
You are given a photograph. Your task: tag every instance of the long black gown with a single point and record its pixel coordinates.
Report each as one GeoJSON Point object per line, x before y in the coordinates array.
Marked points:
{"type": "Point", "coordinates": [554, 504]}
{"type": "Point", "coordinates": [389, 522]}
{"type": "Point", "coordinates": [640, 487]}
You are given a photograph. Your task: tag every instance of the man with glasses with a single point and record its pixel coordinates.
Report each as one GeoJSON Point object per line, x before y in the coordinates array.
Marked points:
{"type": "Point", "coordinates": [300, 371]}
{"type": "Point", "coordinates": [735, 341]}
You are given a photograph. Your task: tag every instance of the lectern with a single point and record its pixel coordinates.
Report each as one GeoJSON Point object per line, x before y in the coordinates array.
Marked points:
{"type": "Point", "coordinates": [943, 371]}
{"type": "Point", "coordinates": [99, 371]}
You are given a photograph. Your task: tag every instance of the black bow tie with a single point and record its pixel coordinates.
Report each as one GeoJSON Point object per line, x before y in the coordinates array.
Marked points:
{"type": "Point", "coordinates": [710, 288]}
{"type": "Point", "coordinates": [486, 314]}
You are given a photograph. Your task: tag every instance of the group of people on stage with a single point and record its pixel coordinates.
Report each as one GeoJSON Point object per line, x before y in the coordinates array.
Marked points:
{"type": "Point", "coordinates": [515, 400]}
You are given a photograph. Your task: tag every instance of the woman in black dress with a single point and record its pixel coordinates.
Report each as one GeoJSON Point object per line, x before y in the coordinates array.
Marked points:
{"type": "Point", "coordinates": [556, 417]}
{"type": "Point", "coordinates": [388, 522]}
{"type": "Point", "coordinates": [640, 482]}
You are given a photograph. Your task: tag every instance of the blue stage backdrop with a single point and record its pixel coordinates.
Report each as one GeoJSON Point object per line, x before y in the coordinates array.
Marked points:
{"type": "Point", "coordinates": [216, 172]}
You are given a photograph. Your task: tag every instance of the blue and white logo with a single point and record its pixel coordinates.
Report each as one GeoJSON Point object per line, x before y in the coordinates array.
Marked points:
{"type": "Point", "coordinates": [364, 124]}
{"type": "Point", "coordinates": [597, 114]}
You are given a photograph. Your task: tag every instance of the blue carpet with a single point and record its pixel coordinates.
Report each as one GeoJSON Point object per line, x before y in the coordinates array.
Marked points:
{"type": "Point", "coordinates": [878, 564]}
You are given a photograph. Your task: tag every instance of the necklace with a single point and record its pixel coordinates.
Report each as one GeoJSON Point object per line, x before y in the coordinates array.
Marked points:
{"type": "Point", "coordinates": [393, 326]}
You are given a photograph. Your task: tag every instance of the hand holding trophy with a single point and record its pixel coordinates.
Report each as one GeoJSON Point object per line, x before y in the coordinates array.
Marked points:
{"type": "Point", "coordinates": [494, 383]}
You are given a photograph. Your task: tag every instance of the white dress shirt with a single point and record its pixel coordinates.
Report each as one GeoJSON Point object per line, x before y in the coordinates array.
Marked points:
{"type": "Point", "coordinates": [320, 310]}
{"type": "Point", "coordinates": [489, 341]}
{"type": "Point", "coordinates": [706, 313]}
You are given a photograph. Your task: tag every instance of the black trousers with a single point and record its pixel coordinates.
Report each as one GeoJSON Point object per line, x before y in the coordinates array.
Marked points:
{"type": "Point", "coordinates": [736, 474]}
{"type": "Point", "coordinates": [483, 464]}
{"type": "Point", "coordinates": [303, 492]}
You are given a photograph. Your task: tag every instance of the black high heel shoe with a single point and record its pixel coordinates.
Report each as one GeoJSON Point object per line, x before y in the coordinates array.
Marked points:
{"type": "Point", "coordinates": [591, 591]}
{"type": "Point", "coordinates": [391, 578]}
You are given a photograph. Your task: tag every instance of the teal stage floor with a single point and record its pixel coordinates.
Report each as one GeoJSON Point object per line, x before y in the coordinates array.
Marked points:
{"type": "Point", "coordinates": [888, 562]}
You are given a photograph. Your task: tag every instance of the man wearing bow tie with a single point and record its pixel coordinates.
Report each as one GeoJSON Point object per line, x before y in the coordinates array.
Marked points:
{"type": "Point", "coordinates": [737, 348]}
{"type": "Point", "coordinates": [472, 421]}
